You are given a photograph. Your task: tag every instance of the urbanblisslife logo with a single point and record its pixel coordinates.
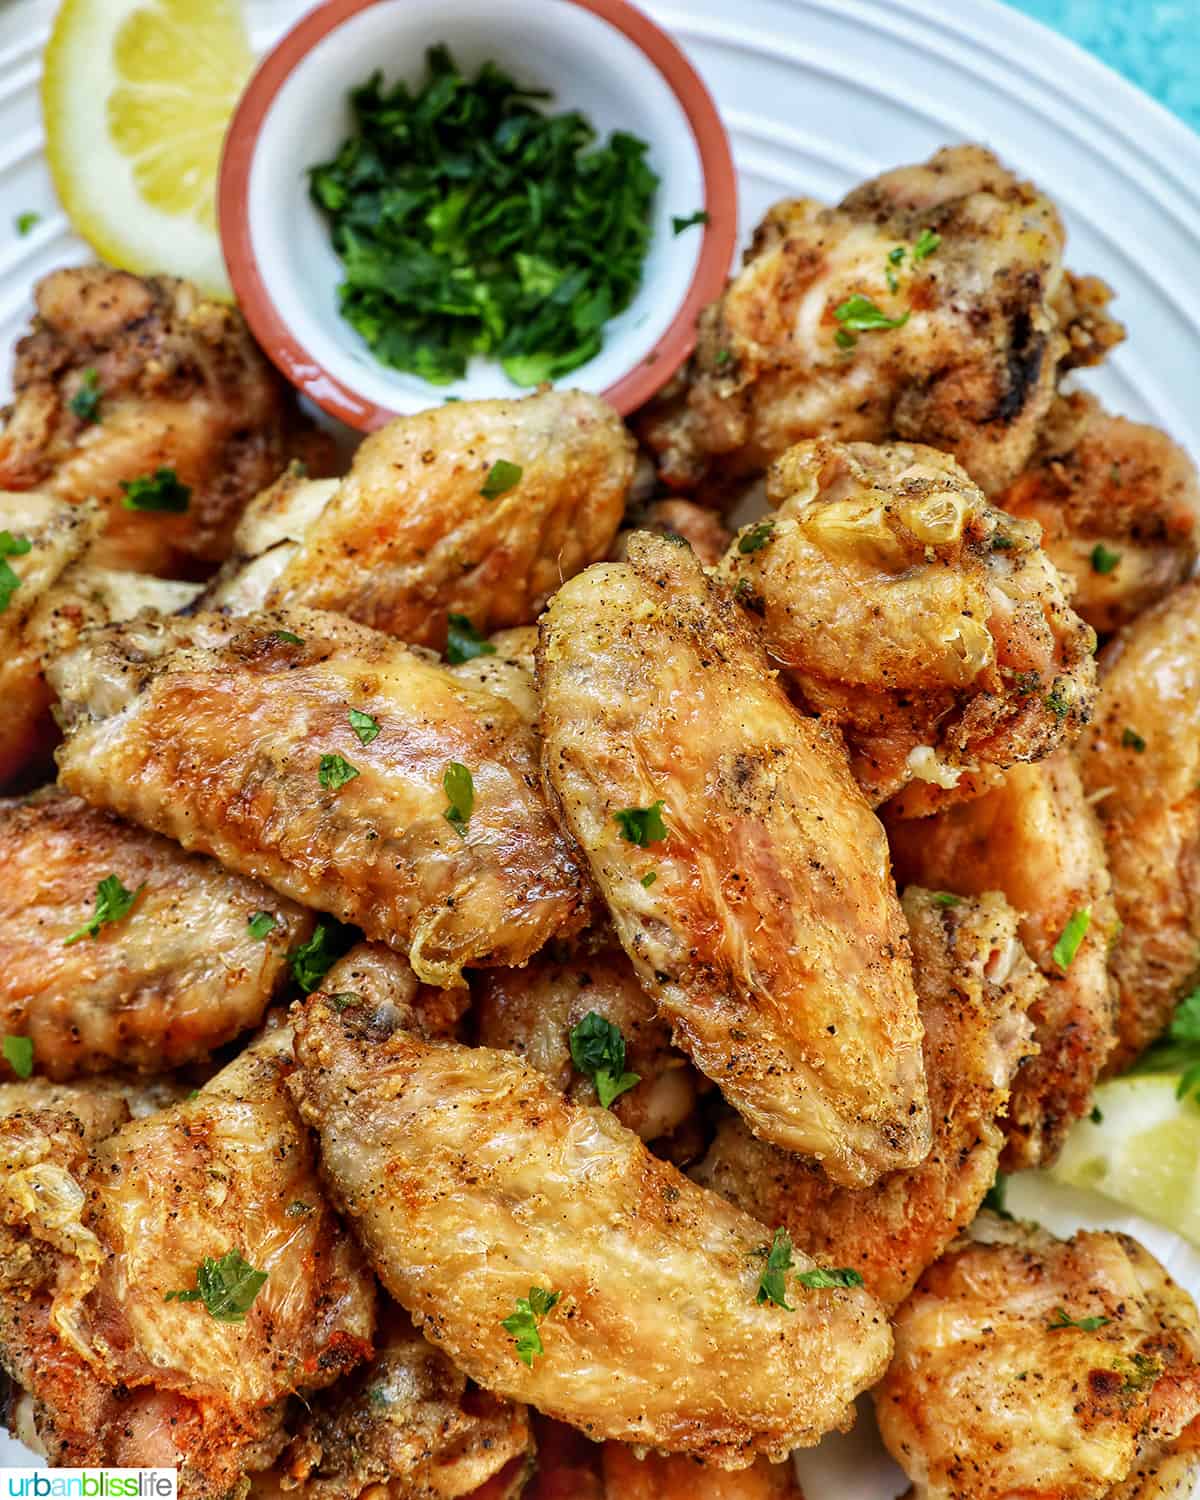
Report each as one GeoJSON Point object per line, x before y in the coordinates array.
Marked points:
{"type": "Point", "coordinates": [91, 1484]}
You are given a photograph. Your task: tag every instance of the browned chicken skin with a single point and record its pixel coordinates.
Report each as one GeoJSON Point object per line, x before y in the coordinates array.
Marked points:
{"type": "Point", "coordinates": [181, 385]}
{"type": "Point", "coordinates": [990, 320]}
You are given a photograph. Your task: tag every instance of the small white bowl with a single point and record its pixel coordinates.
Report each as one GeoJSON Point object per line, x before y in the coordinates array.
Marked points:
{"type": "Point", "coordinates": [602, 57]}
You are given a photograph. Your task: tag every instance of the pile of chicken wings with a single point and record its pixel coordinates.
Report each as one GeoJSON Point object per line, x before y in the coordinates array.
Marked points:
{"type": "Point", "coordinates": [513, 985]}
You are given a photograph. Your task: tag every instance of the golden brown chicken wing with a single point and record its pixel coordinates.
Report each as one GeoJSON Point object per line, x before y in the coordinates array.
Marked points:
{"type": "Point", "coordinates": [927, 624]}
{"type": "Point", "coordinates": [217, 1199]}
{"type": "Point", "coordinates": [193, 961]}
{"type": "Point", "coordinates": [1027, 1365]}
{"type": "Point", "coordinates": [558, 1263]}
{"type": "Point", "coordinates": [1140, 764]}
{"type": "Point", "coordinates": [1119, 507]}
{"type": "Point", "coordinates": [335, 764]}
{"type": "Point", "coordinates": [746, 877]}
{"type": "Point", "coordinates": [699, 526]}
{"type": "Point", "coordinates": [975, 984]}
{"type": "Point", "coordinates": [1035, 838]}
{"type": "Point", "coordinates": [930, 305]}
{"type": "Point", "coordinates": [123, 376]}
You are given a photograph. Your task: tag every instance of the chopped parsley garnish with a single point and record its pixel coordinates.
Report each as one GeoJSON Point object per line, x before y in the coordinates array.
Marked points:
{"type": "Point", "coordinates": [598, 1051]}
{"type": "Point", "coordinates": [1132, 740]}
{"type": "Point", "coordinates": [722, 358]}
{"type": "Point", "coordinates": [27, 221]}
{"type": "Point", "coordinates": [996, 1195]}
{"type": "Point", "coordinates": [860, 315]}
{"type": "Point", "coordinates": [460, 792]}
{"type": "Point", "coordinates": [334, 772]}
{"type": "Point", "coordinates": [772, 1284]}
{"type": "Point", "coordinates": [160, 491]}
{"type": "Point", "coordinates": [364, 726]}
{"type": "Point", "coordinates": [1002, 543]}
{"type": "Point", "coordinates": [464, 642]}
{"type": "Point", "coordinates": [523, 1324]}
{"type": "Point", "coordinates": [113, 902]}
{"type": "Point", "coordinates": [227, 1287]}
{"type": "Point", "coordinates": [344, 999]}
{"type": "Point", "coordinates": [261, 924]}
{"type": "Point", "coordinates": [844, 340]}
{"type": "Point", "coordinates": [649, 878]}
{"type": "Point", "coordinates": [679, 225]}
{"type": "Point", "coordinates": [1088, 1325]}
{"type": "Point", "coordinates": [502, 477]}
{"type": "Point", "coordinates": [821, 1277]}
{"type": "Point", "coordinates": [1060, 697]}
{"type": "Point", "coordinates": [85, 403]}
{"type": "Point", "coordinates": [311, 961]}
{"type": "Point", "coordinates": [469, 222]}
{"type": "Point", "coordinates": [10, 582]}
{"type": "Point", "coordinates": [1071, 936]}
{"type": "Point", "coordinates": [927, 243]}
{"type": "Point", "coordinates": [756, 537]}
{"type": "Point", "coordinates": [18, 1054]}
{"type": "Point", "coordinates": [1104, 561]}
{"type": "Point", "coordinates": [946, 898]}
{"type": "Point", "coordinates": [1097, 1115]}
{"type": "Point", "coordinates": [641, 825]}
{"type": "Point", "coordinates": [287, 637]}
{"type": "Point", "coordinates": [896, 256]}
{"type": "Point", "coordinates": [1178, 1049]}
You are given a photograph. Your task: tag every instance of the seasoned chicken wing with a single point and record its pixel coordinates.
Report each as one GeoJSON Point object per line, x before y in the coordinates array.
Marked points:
{"type": "Point", "coordinates": [216, 1198]}
{"type": "Point", "coordinates": [1119, 507]}
{"type": "Point", "coordinates": [507, 670]}
{"type": "Point", "coordinates": [930, 305]}
{"type": "Point", "coordinates": [699, 526]}
{"type": "Point", "coordinates": [1027, 1365]}
{"type": "Point", "coordinates": [123, 376]}
{"type": "Point", "coordinates": [1140, 764]}
{"type": "Point", "coordinates": [975, 984]}
{"type": "Point", "coordinates": [746, 876]}
{"type": "Point", "coordinates": [370, 974]}
{"type": "Point", "coordinates": [182, 972]}
{"type": "Point", "coordinates": [927, 624]}
{"type": "Point", "coordinates": [558, 1263]}
{"type": "Point", "coordinates": [1035, 838]}
{"type": "Point", "coordinates": [335, 764]}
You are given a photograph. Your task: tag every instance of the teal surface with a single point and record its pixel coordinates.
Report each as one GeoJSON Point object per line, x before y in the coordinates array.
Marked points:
{"type": "Point", "coordinates": [1155, 43]}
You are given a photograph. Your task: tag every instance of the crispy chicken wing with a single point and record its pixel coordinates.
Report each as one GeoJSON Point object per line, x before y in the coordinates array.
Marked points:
{"type": "Point", "coordinates": [180, 974]}
{"type": "Point", "coordinates": [235, 737]}
{"type": "Point", "coordinates": [930, 305]}
{"type": "Point", "coordinates": [119, 1371]}
{"type": "Point", "coordinates": [1032, 1366]}
{"type": "Point", "coordinates": [927, 624]}
{"type": "Point", "coordinates": [178, 383]}
{"type": "Point", "coordinates": [770, 936]}
{"type": "Point", "coordinates": [1035, 838]}
{"type": "Point", "coordinates": [1140, 764]}
{"type": "Point", "coordinates": [470, 1180]}
{"type": "Point", "coordinates": [1119, 507]}
{"type": "Point", "coordinates": [975, 984]}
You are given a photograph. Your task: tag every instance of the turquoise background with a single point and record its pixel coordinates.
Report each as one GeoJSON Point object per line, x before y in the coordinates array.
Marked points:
{"type": "Point", "coordinates": [1155, 43]}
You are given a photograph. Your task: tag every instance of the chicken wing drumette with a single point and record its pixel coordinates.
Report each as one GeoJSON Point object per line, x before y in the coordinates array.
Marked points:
{"type": "Point", "coordinates": [123, 376]}
{"type": "Point", "coordinates": [930, 305]}
{"type": "Point", "coordinates": [927, 624]}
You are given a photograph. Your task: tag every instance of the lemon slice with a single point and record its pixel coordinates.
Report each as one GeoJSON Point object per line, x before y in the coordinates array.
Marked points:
{"type": "Point", "coordinates": [136, 95]}
{"type": "Point", "coordinates": [1144, 1152]}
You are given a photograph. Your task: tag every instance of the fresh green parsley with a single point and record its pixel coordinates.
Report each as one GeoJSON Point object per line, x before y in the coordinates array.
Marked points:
{"type": "Point", "coordinates": [1104, 561]}
{"type": "Point", "coordinates": [946, 898]}
{"type": "Point", "coordinates": [1132, 740]}
{"type": "Point", "coordinates": [1002, 543]}
{"type": "Point", "coordinates": [502, 477]}
{"type": "Point", "coordinates": [311, 961]}
{"type": "Point", "coordinates": [772, 1284]}
{"type": "Point", "coordinates": [523, 1324]}
{"type": "Point", "coordinates": [27, 221]}
{"type": "Point", "coordinates": [334, 772]}
{"type": "Point", "coordinates": [756, 537]}
{"type": "Point", "coordinates": [85, 403]}
{"type": "Point", "coordinates": [1097, 1115]}
{"type": "Point", "coordinates": [1060, 697]}
{"type": "Point", "coordinates": [1178, 1049]}
{"type": "Point", "coordinates": [896, 256]}
{"type": "Point", "coordinates": [1088, 1325]}
{"type": "Point", "coordinates": [113, 902]}
{"type": "Point", "coordinates": [844, 339]}
{"type": "Point", "coordinates": [287, 637]}
{"type": "Point", "coordinates": [460, 793]}
{"type": "Point", "coordinates": [227, 1287]}
{"type": "Point", "coordinates": [10, 582]}
{"type": "Point", "coordinates": [160, 491]}
{"type": "Point", "coordinates": [18, 1054]}
{"type": "Point", "coordinates": [821, 1277]}
{"type": "Point", "coordinates": [649, 878]}
{"type": "Point", "coordinates": [859, 314]}
{"type": "Point", "coordinates": [364, 726]}
{"type": "Point", "coordinates": [344, 1000]}
{"type": "Point", "coordinates": [927, 243]}
{"type": "Point", "coordinates": [679, 225]}
{"type": "Point", "coordinates": [722, 358]}
{"type": "Point", "coordinates": [642, 825]}
{"type": "Point", "coordinates": [996, 1196]}
{"type": "Point", "coordinates": [261, 925]}
{"type": "Point", "coordinates": [1071, 936]}
{"type": "Point", "coordinates": [464, 642]}
{"type": "Point", "coordinates": [598, 1051]}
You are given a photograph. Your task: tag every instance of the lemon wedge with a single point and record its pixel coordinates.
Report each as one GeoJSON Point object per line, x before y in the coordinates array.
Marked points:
{"type": "Point", "coordinates": [136, 95]}
{"type": "Point", "coordinates": [1144, 1151]}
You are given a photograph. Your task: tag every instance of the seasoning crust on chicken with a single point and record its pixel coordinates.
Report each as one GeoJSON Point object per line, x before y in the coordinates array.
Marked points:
{"type": "Point", "coordinates": [761, 917]}
{"type": "Point", "coordinates": [470, 1180]}
{"type": "Point", "coordinates": [234, 736]}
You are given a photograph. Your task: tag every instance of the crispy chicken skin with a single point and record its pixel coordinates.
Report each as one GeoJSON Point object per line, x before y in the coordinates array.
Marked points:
{"type": "Point", "coordinates": [412, 535]}
{"type": "Point", "coordinates": [1035, 838]}
{"type": "Point", "coordinates": [1119, 507]}
{"type": "Point", "coordinates": [990, 321]}
{"type": "Point", "coordinates": [469, 1179]}
{"type": "Point", "coordinates": [178, 976]}
{"type": "Point", "coordinates": [771, 938]}
{"type": "Point", "coordinates": [975, 984]}
{"type": "Point", "coordinates": [532, 1011]}
{"type": "Point", "coordinates": [213, 730]}
{"type": "Point", "coordinates": [927, 624]}
{"type": "Point", "coordinates": [991, 1396]}
{"type": "Point", "coordinates": [182, 385]}
{"type": "Point", "coordinates": [407, 1425]}
{"type": "Point", "coordinates": [1140, 764]}
{"type": "Point", "coordinates": [114, 1372]}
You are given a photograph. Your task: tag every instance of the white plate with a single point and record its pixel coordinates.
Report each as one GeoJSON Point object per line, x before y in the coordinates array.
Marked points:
{"type": "Point", "coordinates": [819, 94]}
